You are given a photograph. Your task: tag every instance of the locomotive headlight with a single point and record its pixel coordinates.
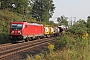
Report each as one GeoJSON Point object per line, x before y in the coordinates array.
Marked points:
{"type": "Point", "coordinates": [12, 32]}
{"type": "Point", "coordinates": [19, 32]}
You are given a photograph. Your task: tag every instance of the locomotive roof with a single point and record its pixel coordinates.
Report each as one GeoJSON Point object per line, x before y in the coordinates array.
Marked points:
{"type": "Point", "coordinates": [35, 24]}
{"type": "Point", "coordinates": [27, 23]}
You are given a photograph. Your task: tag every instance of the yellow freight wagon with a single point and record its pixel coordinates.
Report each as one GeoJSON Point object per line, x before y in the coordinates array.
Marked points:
{"type": "Point", "coordinates": [51, 32]}
{"type": "Point", "coordinates": [48, 30]}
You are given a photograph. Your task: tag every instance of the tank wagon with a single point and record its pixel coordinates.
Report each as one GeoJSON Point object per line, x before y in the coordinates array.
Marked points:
{"type": "Point", "coordinates": [25, 30]}
{"type": "Point", "coordinates": [48, 31]}
{"type": "Point", "coordinates": [62, 29]}
{"type": "Point", "coordinates": [56, 31]}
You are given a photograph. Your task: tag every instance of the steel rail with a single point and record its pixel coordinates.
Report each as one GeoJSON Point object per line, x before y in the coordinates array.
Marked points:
{"type": "Point", "coordinates": [23, 48]}
{"type": "Point", "coordinates": [2, 48]}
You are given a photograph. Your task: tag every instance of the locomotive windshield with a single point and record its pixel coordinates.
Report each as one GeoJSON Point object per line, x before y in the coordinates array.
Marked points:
{"type": "Point", "coordinates": [16, 26]}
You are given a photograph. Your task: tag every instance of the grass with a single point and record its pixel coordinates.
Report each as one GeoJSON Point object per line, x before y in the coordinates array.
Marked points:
{"type": "Point", "coordinates": [74, 48]}
{"type": "Point", "coordinates": [66, 54]}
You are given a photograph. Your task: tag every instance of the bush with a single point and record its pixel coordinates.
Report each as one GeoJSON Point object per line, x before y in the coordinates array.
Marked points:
{"type": "Point", "coordinates": [64, 40]}
{"type": "Point", "coordinates": [4, 38]}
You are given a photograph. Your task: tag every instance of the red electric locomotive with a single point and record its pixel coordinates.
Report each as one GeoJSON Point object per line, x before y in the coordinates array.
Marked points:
{"type": "Point", "coordinates": [25, 30]}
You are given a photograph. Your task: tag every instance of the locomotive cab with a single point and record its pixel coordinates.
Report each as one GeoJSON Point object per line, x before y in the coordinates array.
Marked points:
{"type": "Point", "coordinates": [16, 31]}
{"type": "Point", "coordinates": [17, 28]}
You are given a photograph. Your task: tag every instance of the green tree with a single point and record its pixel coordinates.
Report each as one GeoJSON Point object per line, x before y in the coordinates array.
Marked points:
{"type": "Point", "coordinates": [51, 23]}
{"type": "Point", "coordinates": [5, 4]}
{"type": "Point", "coordinates": [20, 6]}
{"type": "Point", "coordinates": [88, 24]}
{"type": "Point", "coordinates": [82, 22]}
{"type": "Point", "coordinates": [62, 20]}
{"type": "Point", "coordinates": [79, 28]}
{"type": "Point", "coordinates": [43, 10]}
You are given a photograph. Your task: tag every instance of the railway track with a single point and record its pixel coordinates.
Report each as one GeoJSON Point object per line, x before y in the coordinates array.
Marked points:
{"type": "Point", "coordinates": [16, 48]}
{"type": "Point", "coordinates": [10, 46]}
{"type": "Point", "coordinates": [3, 45]}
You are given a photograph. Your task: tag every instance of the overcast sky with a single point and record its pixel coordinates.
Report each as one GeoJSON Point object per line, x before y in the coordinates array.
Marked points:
{"type": "Point", "coordinates": [72, 8]}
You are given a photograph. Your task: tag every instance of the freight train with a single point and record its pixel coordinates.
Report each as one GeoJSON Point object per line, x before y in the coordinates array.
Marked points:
{"type": "Point", "coordinates": [28, 31]}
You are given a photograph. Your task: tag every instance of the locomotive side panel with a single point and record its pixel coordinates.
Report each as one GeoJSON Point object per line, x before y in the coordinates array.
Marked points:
{"type": "Point", "coordinates": [32, 30]}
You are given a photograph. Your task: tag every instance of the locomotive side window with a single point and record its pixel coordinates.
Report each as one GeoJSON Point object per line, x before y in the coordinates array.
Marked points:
{"type": "Point", "coordinates": [16, 26]}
